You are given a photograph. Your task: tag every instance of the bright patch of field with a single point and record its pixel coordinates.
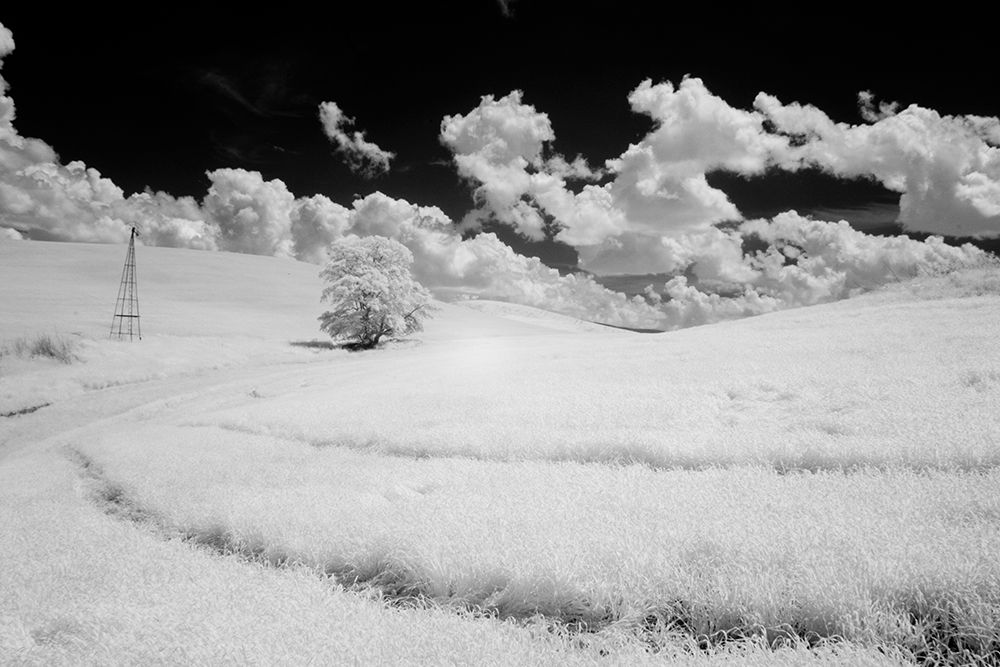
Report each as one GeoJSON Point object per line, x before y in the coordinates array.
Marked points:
{"type": "Point", "coordinates": [882, 380]}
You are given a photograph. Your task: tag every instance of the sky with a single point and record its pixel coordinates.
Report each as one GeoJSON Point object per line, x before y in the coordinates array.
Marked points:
{"type": "Point", "coordinates": [604, 139]}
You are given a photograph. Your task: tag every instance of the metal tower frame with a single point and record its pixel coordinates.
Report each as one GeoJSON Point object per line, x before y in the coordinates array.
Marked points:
{"type": "Point", "coordinates": [126, 319]}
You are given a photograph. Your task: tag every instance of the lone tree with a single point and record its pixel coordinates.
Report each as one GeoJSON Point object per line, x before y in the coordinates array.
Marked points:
{"type": "Point", "coordinates": [371, 292]}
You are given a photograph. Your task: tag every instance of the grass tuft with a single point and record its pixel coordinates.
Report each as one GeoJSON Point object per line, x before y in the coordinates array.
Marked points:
{"type": "Point", "coordinates": [51, 346]}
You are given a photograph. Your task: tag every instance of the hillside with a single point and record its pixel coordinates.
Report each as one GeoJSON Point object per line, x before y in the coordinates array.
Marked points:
{"type": "Point", "coordinates": [813, 485]}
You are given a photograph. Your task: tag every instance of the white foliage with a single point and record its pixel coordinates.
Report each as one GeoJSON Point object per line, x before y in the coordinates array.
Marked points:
{"type": "Point", "coordinates": [371, 291]}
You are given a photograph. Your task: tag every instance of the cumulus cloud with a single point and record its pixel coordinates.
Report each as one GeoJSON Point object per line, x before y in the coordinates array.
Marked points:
{"type": "Point", "coordinates": [363, 156]}
{"type": "Point", "coordinates": [498, 145]}
{"type": "Point", "coordinates": [71, 202]}
{"type": "Point", "coordinates": [6, 41]}
{"type": "Point", "coordinates": [503, 130]}
{"type": "Point", "coordinates": [711, 255]}
{"type": "Point", "coordinates": [800, 262]}
{"type": "Point", "coordinates": [947, 168]}
{"type": "Point", "coordinates": [8, 234]}
{"type": "Point", "coordinates": [659, 187]}
{"type": "Point", "coordinates": [803, 262]}
{"type": "Point", "coordinates": [576, 170]}
{"type": "Point", "coordinates": [50, 201]}
{"type": "Point", "coordinates": [164, 220]}
{"type": "Point", "coordinates": [502, 147]}
{"type": "Point", "coordinates": [252, 215]}
{"type": "Point", "coordinates": [660, 183]}
{"type": "Point", "coordinates": [315, 223]}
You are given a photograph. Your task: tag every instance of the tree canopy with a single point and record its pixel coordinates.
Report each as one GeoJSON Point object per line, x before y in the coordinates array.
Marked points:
{"type": "Point", "coordinates": [371, 291]}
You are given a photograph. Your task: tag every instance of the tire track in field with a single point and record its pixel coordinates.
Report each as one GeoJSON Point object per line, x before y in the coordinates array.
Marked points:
{"type": "Point", "coordinates": [391, 582]}
{"type": "Point", "coordinates": [778, 463]}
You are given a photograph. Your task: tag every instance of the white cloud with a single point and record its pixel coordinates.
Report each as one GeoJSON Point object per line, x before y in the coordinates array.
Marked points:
{"type": "Point", "coordinates": [72, 203]}
{"type": "Point", "coordinates": [163, 220]}
{"type": "Point", "coordinates": [6, 41]}
{"type": "Point", "coordinates": [579, 169]}
{"type": "Point", "coordinates": [697, 131]}
{"type": "Point", "coordinates": [379, 214]}
{"type": "Point", "coordinates": [503, 130]}
{"type": "Point", "coordinates": [947, 168]}
{"type": "Point", "coordinates": [584, 218]}
{"type": "Point", "coordinates": [843, 259]}
{"type": "Point", "coordinates": [654, 198]}
{"type": "Point", "coordinates": [505, 8]}
{"type": "Point", "coordinates": [363, 156]}
{"type": "Point", "coordinates": [712, 255]}
{"type": "Point", "coordinates": [806, 262]}
{"type": "Point", "coordinates": [659, 187]}
{"type": "Point", "coordinates": [315, 223]}
{"type": "Point", "coordinates": [688, 306]}
{"type": "Point", "coordinates": [497, 145]}
{"type": "Point", "coordinates": [500, 146]}
{"type": "Point", "coordinates": [659, 205]}
{"type": "Point", "coordinates": [252, 215]}
{"type": "Point", "coordinates": [660, 190]}
{"type": "Point", "coordinates": [633, 253]}
{"type": "Point", "coordinates": [8, 234]}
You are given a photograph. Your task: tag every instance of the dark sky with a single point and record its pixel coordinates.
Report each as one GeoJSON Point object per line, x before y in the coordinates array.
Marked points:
{"type": "Point", "coordinates": [157, 97]}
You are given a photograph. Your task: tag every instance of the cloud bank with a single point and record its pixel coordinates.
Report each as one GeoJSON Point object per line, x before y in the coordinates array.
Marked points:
{"type": "Point", "coordinates": [363, 156]}
{"type": "Point", "coordinates": [803, 262]}
{"type": "Point", "coordinates": [659, 188]}
{"type": "Point", "coordinates": [946, 168]}
{"type": "Point", "coordinates": [650, 210]}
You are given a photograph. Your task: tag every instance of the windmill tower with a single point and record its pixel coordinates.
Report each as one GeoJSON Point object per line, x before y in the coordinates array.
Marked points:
{"type": "Point", "coordinates": [125, 323]}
